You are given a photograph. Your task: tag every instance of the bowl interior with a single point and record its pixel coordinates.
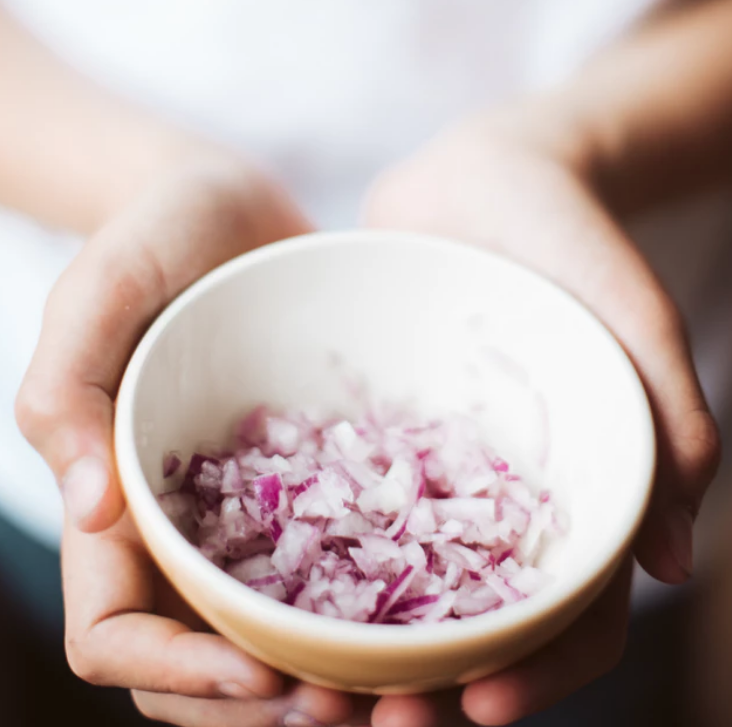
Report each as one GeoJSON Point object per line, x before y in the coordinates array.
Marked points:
{"type": "Point", "coordinates": [437, 323]}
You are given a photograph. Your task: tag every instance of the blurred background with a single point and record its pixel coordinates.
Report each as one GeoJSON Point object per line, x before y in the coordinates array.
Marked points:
{"type": "Point", "coordinates": [404, 70]}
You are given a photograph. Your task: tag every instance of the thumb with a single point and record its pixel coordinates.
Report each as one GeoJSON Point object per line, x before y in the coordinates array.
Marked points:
{"type": "Point", "coordinates": [73, 432]}
{"type": "Point", "coordinates": [93, 318]}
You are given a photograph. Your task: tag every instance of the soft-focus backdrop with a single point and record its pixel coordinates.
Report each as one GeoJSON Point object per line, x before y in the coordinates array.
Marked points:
{"type": "Point", "coordinates": [326, 94]}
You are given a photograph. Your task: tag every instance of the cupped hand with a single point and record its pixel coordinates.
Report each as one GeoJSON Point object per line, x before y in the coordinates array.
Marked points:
{"type": "Point", "coordinates": [126, 627]}
{"type": "Point", "coordinates": [521, 189]}
{"type": "Point", "coordinates": [175, 232]}
{"type": "Point", "coordinates": [125, 624]}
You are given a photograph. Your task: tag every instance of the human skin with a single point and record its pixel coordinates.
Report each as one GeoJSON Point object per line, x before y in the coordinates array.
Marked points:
{"type": "Point", "coordinates": [541, 180]}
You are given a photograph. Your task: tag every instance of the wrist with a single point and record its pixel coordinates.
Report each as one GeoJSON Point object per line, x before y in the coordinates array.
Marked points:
{"type": "Point", "coordinates": [547, 125]}
{"type": "Point", "coordinates": [171, 157]}
{"type": "Point", "coordinates": [565, 128]}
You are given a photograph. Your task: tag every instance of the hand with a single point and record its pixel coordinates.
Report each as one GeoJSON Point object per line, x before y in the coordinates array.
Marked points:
{"type": "Point", "coordinates": [125, 625]}
{"type": "Point", "coordinates": [523, 190]}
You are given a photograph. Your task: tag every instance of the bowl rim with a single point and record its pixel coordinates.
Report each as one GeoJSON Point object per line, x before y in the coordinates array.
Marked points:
{"type": "Point", "coordinates": [144, 506]}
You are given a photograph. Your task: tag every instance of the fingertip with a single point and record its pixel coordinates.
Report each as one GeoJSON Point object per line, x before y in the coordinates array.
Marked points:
{"type": "Point", "coordinates": [664, 570]}
{"type": "Point", "coordinates": [327, 706]}
{"type": "Point", "coordinates": [664, 547]}
{"type": "Point", "coordinates": [404, 711]}
{"type": "Point", "coordinates": [699, 445]}
{"type": "Point", "coordinates": [260, 679]}
{"type": "Point", "coordinates": [492, 704]}
{"type": "Point", "coordinates": [267, 683]}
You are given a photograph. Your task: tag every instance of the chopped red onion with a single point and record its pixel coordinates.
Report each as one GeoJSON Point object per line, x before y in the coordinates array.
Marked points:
{"type": "Point", "coordinates": [392, 593]}
{"type": "Point", "coordinates": [411, 604]}
{"type": "Point", "coordinates": [231, 479]}
{"type": "Point", "coordinates": [267, 489]}
{"type": "Point", "coordinates": [171, 463]}
{"type": "Point", "coordinates": [387, 519]}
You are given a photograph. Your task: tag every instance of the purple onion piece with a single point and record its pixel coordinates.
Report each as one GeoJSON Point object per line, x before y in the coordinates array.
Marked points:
{"type": "Point", "coordinates": [194, 469]}
{"type": "Point", "coordinates": [265, 581]}
{"type": "Point", "coordinates": [305, 485]}
{"type": "Point", "coordinates": [267, 490]}
{"type": "Point", "coordinates": [294, 592]}
{"type": "Point", "coordinates": [412, 603]}
{"type": "Point", "coordinates": [391, 594]}
{"type": "Point", "coordinates": [275, 531]}
{"type": "Point", "coordinates": [171, 463]}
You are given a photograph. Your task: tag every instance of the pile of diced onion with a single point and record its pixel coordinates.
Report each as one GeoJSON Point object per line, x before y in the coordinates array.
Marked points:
{"type": "Point", "coordinates": [386, 519]}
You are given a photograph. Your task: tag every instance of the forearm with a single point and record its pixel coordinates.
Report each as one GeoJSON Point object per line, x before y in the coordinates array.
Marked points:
{"type": "Point", "coordinates": [71, 154]}
{"type": "Point", "coordinates": [651, 118]}
{"type": "Point", "coordinates": [662, 105]}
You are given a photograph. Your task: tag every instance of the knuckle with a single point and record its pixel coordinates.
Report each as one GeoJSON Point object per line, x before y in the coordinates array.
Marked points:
{"type": "Point", "coordinates": [81, 663]}
{"type": "Point", "coordinates": [35, 411]}
{"type": "Point", "coordinates": [705, 432]}
{"type": "Point", "coordinates": [702, 433]}
{"type": "Point", "coordinates": [58, 292]}
{"type": "Point", "coordinates": [671, 318]}
{"type": "Point", "coordinates": [661, 322]}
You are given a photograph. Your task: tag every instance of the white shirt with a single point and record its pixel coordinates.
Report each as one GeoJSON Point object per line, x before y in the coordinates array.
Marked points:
{"type": "Point", "coordinates": [327, 92]}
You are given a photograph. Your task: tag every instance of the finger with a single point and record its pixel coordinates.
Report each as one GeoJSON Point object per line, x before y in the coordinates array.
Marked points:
{"type": "Point", "coordinates": [633, 303]}
{"type": "Point", "coordinates": [306, 706]}
{"type": "Point", "coordinates": [591, 647]}
{"type": "Point", "coordinates": [688, 457]}
{"type": "Point", "coordinates": [111, 639]}
{"type": "Point", "coordinates": [405, 711]}
{"type": "Point", "coordinates": [311, 706]}
{"type": "Point", "coordinates": [104, 301]}
{"type": "Point", "coordinates": [190, 712]}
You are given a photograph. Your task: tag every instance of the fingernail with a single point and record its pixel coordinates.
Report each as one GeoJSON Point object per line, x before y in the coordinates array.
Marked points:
{"type": "Point", "coordinates": [83, 487]}
{"type": "Point", "coordinates": [235, 691]}
{"type": "Point", "coordinates": [680, 526]}
{"type": "Point", "coordinates": [300, 719]}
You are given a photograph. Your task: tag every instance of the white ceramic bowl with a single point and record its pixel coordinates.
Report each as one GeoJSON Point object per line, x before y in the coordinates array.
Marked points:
{"type": "Point", "coordinates": [447, 324]}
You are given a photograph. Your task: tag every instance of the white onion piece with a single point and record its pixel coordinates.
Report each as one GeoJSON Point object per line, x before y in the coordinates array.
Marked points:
{"type": "Point", "coordinates": [299, 542]}
{"type": "Point", "coordinates": [386, 519]}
